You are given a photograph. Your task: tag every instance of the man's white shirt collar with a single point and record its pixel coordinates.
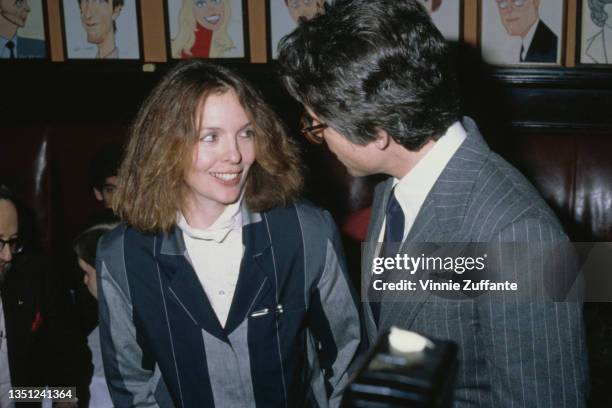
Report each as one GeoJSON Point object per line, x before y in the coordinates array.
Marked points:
{"type": "Point", "coordinates": [412, 190]}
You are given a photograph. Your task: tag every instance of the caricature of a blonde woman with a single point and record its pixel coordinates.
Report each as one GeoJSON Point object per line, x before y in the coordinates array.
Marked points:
{"type": "Point", "coordinates": [203, 29]}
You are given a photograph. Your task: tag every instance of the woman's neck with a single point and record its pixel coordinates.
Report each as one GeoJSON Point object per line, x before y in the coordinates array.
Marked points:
{"type": "Point", "coordinates": [202, 216]}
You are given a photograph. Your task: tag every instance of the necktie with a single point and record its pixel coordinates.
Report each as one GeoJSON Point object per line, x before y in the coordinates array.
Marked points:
{"type": "Point", "coordinates": [521, 57]}
{"type": "Point", "coordinates": [11, 47]}
{"type": "Point", "coordinates": [394, 234]}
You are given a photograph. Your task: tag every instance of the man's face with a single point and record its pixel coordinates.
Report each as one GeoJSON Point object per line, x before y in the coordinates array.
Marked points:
{"type": "Point", "coordinates": [209, 13]}
{"type": "Point", "coordinates": [108, 191]}
{"type": "Point", "coordinates": [518, 16]}
{"type": "Point", "coordinates": [304, 8]}
{"type": "Point", "coordinates": [8, 231]}
{"type": "Point", "coordinates": [15, 11]}
{"type": "Point", "coordinates": [97, 17]}
{"type": "Point", "coordinates": [359, 160]}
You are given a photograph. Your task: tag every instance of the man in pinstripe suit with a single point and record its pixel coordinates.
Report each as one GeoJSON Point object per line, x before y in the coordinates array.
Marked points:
{"type": "Point", "coordinates": [374, 78]}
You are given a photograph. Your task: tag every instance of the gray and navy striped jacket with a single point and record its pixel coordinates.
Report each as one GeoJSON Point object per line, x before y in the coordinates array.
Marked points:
{"type": "Point", "coordinates": [292, 330]}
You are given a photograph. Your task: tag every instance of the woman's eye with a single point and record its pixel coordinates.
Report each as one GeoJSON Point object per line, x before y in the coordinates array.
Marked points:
{"type": "Point", "coordinates": [200, 3]}
{"type": "Point", "coordinates": [248, 134]}
{"type": "Point", "coordinates": [208, 138]}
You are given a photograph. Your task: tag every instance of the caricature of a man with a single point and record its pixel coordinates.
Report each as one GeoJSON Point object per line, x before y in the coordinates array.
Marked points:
{"type": "Point", "coordinates": [522, 18]}
{"type": "Point", "coordinates": [98, 19]}
{"type": "Point", "coordinates": [305, 9]}
{"type": "Point", "coordinates": [13, 16]}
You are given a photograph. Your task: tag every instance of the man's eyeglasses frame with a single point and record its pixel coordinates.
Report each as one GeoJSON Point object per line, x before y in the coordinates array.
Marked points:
{"type": "Point", "coordinates": [313, 133]}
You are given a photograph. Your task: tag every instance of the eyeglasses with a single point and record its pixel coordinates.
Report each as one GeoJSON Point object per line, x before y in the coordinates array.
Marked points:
{"type": "Point", "coordinates": [314, 133]}
{"type": "Point", "coordinates": [15, 245]}
{"type": "Point", "coordinates": [504, 4]}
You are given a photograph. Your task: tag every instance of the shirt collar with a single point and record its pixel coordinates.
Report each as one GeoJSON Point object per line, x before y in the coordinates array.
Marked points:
{"type": "Point", "coordinates": [230, 219]}
{"type": "Point", "coordinates": [414, 187]}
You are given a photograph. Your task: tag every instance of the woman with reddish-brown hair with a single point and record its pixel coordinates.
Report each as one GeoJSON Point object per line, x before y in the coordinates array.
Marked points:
{"type": "Point", "coordinates": [220, 288]}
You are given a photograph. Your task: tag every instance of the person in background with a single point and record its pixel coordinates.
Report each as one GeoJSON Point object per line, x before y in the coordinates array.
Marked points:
{"type": "Point", "coordinates": [220, 289]}
{"type": "Point", "coordinates": [103, 173]}
{"type": "Point", "coordinates": [85, 248]}
{"type": "Point", "coordinates": [36, 336]}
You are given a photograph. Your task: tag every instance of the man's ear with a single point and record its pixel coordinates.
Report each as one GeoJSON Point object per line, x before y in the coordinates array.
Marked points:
{"type": "Point", "coordinates": [382, 139]}
{"type": "Point", "coordinates": [98, 194]}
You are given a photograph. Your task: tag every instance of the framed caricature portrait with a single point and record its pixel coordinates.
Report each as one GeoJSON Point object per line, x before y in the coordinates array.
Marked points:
{"type": "Point", "coordinates": [283, 16]}
{"type": "Point", "coordinates": [520, 32]}
{"type": "Point", "coordinates": [207, 29]}
{"type": "Point", "coordinates": [447, 16]}
{"type": "Point", "coordinates": [22, 29]}
{"type": "Point", "coordinates": [596, 32]}
{"type": "Point", "coordinates": [101, 29]}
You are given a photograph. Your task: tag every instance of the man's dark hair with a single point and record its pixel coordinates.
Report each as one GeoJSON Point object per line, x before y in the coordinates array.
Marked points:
{"type": "Point", "coordinates": [5, 194]}
{"type": "Point", "coordinates": [104, 164]}
{"type": "Point", "coordinates": [367, 65]}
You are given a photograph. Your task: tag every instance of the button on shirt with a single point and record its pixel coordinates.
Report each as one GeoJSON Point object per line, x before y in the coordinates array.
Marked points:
{"type": "Point", "coordinates": [412, 190]}
{"type": "Point", "coordinates": [215, 254]}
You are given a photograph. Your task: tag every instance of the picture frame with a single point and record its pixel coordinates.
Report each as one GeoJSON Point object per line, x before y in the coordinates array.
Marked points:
{"type": "Point", "coordinates": [27, 20]}
{"type": "Point", "coordinates": [522, 32]}
{"type": "Point", "coordinates": [211, 33]}
{"type": "Point", "coordinates": [594, 33]}
{"type": "Point", "coordinates": [447, 15]}
{"type": "Point", "coordinates": [105, 30]}
{"type": "Point", "coordinates": [282, 17]}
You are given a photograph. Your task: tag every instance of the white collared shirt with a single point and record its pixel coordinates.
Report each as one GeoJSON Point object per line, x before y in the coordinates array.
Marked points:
{"type": "Point", "coordinates": [526, 41]}
{"type": "Point", "coordinates": [5, 375]}
{"type": "Point", "coordinates": [412, 190]}
{"type": "Point", "coordinates": [216, 253]}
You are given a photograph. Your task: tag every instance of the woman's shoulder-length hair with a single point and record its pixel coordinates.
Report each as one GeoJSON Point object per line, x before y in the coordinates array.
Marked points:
{"type": "Point", "coordinates": [151, 189]}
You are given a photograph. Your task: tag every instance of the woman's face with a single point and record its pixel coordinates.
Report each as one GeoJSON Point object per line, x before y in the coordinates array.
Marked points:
{"type": "Point", "coordinates": [209, 13]}
{"type": "Point", "coordinates": [223, 155]}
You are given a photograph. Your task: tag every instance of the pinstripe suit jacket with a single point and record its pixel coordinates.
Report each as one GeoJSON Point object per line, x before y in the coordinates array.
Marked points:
{"type": "Point", "coordinates": [511, 354]}
{"type": "Point", "coordinates": [292, 330]}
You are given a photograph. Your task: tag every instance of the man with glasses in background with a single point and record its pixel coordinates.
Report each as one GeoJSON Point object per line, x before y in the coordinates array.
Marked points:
{"type": "Point", "coordinates": [522, 18]}
{"type": "Point", "coordinates": [38, 345]}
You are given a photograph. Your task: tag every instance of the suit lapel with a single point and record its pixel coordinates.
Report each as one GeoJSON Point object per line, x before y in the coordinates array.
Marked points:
{"type": "Point", "coordinates": [256, 273]}
{"type": "Point", "coordinates": [439, 219]}
{"type": "Point", "coordinates": [370, 249]}
{"type": "Point", "coordinates": [184, 285]}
